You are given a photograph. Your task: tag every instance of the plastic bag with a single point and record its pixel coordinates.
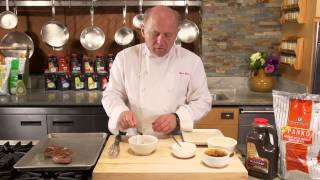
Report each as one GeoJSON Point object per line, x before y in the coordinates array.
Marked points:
{"type": "Point", "coordinates": [297, 119]}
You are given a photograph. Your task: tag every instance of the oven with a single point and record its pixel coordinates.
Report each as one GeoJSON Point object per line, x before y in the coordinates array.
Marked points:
{"type": "Point", "coordinates": [246, 118]}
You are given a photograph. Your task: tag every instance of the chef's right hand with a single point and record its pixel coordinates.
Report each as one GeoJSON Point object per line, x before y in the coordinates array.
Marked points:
{"type": "Point", "coordinates": [127, 119]}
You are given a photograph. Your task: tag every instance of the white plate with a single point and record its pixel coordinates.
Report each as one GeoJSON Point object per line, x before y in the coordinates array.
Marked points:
{"type": "Point", "coordinates": [186, 150]}
{"type": "Point", "coordinates": [200, 136]}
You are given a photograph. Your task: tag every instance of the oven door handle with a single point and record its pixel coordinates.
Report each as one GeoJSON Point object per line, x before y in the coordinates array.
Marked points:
{"type": "Point", "coordinates": [254, 112]}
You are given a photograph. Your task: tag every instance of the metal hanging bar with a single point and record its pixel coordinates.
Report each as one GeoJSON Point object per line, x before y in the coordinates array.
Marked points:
{"type": "Point", "coordinates": [98, 3]}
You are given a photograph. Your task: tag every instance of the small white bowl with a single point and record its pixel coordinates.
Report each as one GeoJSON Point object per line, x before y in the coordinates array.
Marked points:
{"type": "Point", "coordinates": [222, 142]}
{"type": "Point", "coordinates": [186, 150]}
{"type": "Point", "coordinates": [217, 162]}
{"type": "Point", "coordinates": [143, 144]}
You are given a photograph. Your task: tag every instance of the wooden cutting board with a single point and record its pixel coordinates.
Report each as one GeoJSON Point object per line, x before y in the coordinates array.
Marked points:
{"type": "Point", "coordinates": [161, 165]}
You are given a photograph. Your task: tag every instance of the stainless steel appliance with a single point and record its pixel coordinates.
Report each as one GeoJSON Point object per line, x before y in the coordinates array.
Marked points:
{"type": "Point", "coordinates": [246, 117]}
{"type": "Point", "coordinates": [316, 72]}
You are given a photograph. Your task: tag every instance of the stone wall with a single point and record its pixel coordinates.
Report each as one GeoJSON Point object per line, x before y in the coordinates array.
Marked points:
{"type": "Point", "coordinates": [233, 29]}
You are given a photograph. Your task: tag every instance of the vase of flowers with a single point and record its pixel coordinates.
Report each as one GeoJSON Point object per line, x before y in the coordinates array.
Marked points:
{"type": "Point", "coordinates": [262, 68]}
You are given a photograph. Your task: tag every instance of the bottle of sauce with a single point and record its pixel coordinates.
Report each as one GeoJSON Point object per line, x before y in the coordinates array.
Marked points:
{"type": "Point", "coordinates": [21, 88]}
{"type": "Point", "coordinates": [262, 150]}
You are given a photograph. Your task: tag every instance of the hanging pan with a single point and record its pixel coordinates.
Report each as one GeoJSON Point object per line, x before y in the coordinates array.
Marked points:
{"type": "Point", "coordinates": [54, 33]}
{"type": "Point", "coordinates": [16, 39]}
{"type": "Point", "coordinates": [138, 19]}
{"type": "Point", "coordinates": [92, 38]}
{"type": "Point", "coordinates": [8, 20]}
{"type": "Point", "coordinates": [189, 31]}
{"type": "Point", "coordinates": [124, 35]}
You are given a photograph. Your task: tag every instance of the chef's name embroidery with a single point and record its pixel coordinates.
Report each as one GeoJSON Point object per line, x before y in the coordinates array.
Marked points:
{"type": "Point", "coordinates": [184, 73]}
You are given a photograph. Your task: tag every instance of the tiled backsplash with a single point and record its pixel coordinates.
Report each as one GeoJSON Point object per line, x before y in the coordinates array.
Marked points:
{"type": "Point", "coordinates": [233, 29]}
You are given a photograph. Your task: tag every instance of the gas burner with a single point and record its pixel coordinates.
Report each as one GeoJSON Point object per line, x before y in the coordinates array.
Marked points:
{"type": "Point", "coordinates": [69, 175]}
{"type": "Point", "coordinates": [10, 153]}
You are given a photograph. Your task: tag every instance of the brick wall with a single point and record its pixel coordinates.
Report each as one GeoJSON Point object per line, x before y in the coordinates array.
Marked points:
{"type": "Point", "coordinates": [233, 29]}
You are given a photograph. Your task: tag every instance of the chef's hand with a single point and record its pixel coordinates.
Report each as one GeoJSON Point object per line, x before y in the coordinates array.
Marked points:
{"type": "Point", "coordinates": [165, 123]}
{"type": "Point", "coordinates": [127, 119]}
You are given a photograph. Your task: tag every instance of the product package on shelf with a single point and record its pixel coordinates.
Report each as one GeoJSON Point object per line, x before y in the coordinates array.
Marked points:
{"type": "Point", "coordinates": [64, 81]}
{"type": "Point", "coordinates": [297, 122]}
{"type": "Point", "coordinates": [78, 81]}
{"type": "Point", "coordinates": [103, 80]}
{"type": "Point", "coordinates": [51, 81]}
{"type": "Point", "coordinates": [92, 81]}
{"type": "Point", "coordinates": [80, 73]}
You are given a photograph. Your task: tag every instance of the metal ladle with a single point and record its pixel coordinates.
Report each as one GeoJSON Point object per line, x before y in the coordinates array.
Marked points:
{"type": "Point", "coordinates": [124, 35]}
{"type": "Point", "coordinates": [138, 19]}
{"type": "Point", "coordinates": [8, 19]}
{"type": "Point", "coordinates": [189, 31]}
{"type": "Point", "coordinates": [92, 38]}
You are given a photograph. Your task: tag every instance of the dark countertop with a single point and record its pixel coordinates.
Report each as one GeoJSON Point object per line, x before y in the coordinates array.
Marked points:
{"type": "Point", "coordinates": [246, 98]}
{"type": "Point", "coordinates": [40, 97]}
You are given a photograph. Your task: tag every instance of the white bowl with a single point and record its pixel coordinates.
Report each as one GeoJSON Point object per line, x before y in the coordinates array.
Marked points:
{"type": "Point", "coordinates": [222, 142]}
{"type": "Point", "coordinates": [186, 150]}
{"type": "Point", "coordinates": [217, 162]}
{"type": "Point", "coordinates": [143, 144]}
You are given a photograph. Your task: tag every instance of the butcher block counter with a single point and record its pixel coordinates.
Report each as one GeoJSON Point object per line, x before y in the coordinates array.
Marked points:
{"type": "Point", "coordinates": [161, 165]}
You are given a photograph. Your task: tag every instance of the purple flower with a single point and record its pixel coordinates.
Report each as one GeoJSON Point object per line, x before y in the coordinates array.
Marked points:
{"type": "Point", "coordinates": [269, 68]}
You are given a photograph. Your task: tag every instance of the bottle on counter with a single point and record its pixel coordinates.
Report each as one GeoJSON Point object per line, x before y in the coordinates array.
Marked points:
{"type": "Point", "coordinates": [110, 61]}
{"type": "Point", "coordinates": [21, 88]}
{"type": "Point", "coordinates": [13, 78]}
{"type": "Point", "coordinates": [100, 64]}
{"type": "Point", "coordinates": [262, 150]}
{"type": "Point", "coordinates": [63, 64]}
{"type": "Point", "coordinates": [75, 64]}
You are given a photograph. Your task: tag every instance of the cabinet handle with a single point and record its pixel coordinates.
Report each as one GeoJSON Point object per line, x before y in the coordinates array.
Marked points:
{"type": "Point", "coordinates": [62, 123]}
{"type": "Point", "coordinates": [30, 123]}
{"type": "Point", "coordinates": [227, 115]}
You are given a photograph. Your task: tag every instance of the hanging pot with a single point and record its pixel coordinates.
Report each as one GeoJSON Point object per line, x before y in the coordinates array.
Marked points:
{"type": "Point", "coordinates": [8, 20]}
{"type": "Point", "coordinates": [124, 35]}
{"type": "Point", "coordinates": [15, 39]}
{"type": "Point", "coordinates": [189, 31]}
{"type": "Point", "coordinates": [138, 19]}
{"type": "Point", "coordinates": [92, 38]}
{"type": "Point", "coordinates": [54, 33]}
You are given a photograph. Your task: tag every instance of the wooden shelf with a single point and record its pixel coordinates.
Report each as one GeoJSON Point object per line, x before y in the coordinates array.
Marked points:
{"type": "Point", "coordinates": [296, 51]}
{"type": "Point", "coordinates": [293, 12]}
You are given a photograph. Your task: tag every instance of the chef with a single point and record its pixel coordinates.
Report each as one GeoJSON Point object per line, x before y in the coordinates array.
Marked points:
{"type": "Point", "coordinates": [156, 87]}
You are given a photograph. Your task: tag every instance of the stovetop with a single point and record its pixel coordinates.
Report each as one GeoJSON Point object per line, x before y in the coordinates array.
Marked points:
{"type": "Point", "coordinates": [12, 150]}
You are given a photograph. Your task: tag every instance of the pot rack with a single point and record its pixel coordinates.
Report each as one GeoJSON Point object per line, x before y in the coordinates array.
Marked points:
{"type": "Point", "coordinates": [69, 3]}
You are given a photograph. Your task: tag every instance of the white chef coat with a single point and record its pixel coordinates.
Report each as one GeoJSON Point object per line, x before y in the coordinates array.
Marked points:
{"type": "Point", "coordinates": [151, 86]}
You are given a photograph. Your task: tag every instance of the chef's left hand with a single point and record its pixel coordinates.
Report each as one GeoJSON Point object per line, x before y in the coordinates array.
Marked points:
{"type": "Point", "coordinates": [165, 123]}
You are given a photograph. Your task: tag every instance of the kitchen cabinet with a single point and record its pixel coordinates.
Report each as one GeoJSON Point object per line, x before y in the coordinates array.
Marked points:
{"type": "Point", "coordinates": [223, 118]}
{"type": "Point", "coordinates": [76, 123]}
{"type": "Point", "coordinates": [22, 126]}
{"type": "Point", "coordinates": [293, 11]}
{"type": "Point", "coordinates": [36, 122]}
{"type": "Point", "coordinates": [303, 32]}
